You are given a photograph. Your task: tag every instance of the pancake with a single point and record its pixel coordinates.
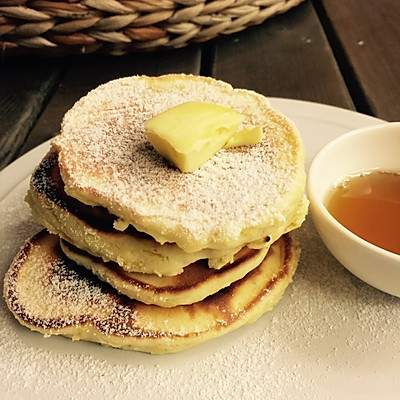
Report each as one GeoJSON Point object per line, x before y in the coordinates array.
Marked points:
{"type": "Point", "coordinates": [194, 284]}
{"type": "Point", "coordinates": [92, 230]}
{"type": "Point", "coordinates": [50, 294]}
{"type": "Point", "coordinates": [240, 195]}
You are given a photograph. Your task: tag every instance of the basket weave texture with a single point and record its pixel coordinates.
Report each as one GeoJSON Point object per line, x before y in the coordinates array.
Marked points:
{"type": "Point", "coordinates": [121, 26]}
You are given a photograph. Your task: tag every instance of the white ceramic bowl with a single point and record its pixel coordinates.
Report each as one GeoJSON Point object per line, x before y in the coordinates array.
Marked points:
{"type": "Point", "coordinates": [376, 147]}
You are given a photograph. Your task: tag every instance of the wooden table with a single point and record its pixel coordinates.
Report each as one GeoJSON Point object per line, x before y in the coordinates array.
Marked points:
{"type": "Point", "coordinates": [345, 53]}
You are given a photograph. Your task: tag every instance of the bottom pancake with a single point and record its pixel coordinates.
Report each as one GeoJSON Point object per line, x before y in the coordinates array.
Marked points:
{"type": "Point", "coordinates": [50, 294]}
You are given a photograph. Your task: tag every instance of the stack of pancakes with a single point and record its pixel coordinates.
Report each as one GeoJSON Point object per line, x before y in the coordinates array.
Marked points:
{"type": "Point", "coordinates": [141, 256]}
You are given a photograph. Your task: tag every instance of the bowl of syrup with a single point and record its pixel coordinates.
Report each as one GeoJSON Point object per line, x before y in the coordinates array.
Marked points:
{"type": "Point", "coordinates": [354, 192]}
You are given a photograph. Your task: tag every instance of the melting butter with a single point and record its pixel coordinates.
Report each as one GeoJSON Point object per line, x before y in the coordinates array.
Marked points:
{"type": "Point", "coordinates": [248, 135]}
{"type": "Point", "coordinates": [191, 133]}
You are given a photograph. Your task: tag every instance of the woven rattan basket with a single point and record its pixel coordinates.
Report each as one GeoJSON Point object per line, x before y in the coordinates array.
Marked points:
{"type": "Point", "coordinates": [121, 26]}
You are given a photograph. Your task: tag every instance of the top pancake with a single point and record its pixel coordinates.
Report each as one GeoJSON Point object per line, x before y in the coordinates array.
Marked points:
{"type": "Point", "coordinates": [238, 196]}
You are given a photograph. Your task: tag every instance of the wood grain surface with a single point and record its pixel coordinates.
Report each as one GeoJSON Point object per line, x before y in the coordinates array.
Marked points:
{"type": "Point", "coordinates": [365, 35]}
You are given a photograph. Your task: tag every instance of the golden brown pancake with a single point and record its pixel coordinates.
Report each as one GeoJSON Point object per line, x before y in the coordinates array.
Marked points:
{"type": "Point", "coordinates": [196, 282]}
{"type": "Point", "coordinates": [92, 229]}
{"type": "Point", "coordinates": [50, 294]}
{"type": "Point", "coordinates": [240, 195]}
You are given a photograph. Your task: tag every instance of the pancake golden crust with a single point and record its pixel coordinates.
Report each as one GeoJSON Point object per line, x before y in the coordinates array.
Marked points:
{"type": "Point", "coordinates": [196, 282]}
{"type": "Point", "coordinates": [240, 195]}
{"type": "Point", "coordinates": [47, 293]}
{"type": "Point", "coordinates": [92, 229]}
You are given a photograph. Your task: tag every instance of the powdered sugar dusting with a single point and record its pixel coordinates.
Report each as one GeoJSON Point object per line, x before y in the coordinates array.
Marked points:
{"type": "Point", "coordinates": [105, 158]}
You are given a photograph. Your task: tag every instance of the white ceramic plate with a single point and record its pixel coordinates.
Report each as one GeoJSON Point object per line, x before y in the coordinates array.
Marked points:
{"type": "Point", "coordinates": [331, 336]}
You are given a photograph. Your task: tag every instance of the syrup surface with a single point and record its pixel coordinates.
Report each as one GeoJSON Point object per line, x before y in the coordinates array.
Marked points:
{"type": "Point", "coordinates": [368, 204]}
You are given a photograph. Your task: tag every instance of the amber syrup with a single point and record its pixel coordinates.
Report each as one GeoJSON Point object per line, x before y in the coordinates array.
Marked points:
{"type": "Point", "coordinates": [368, 204]}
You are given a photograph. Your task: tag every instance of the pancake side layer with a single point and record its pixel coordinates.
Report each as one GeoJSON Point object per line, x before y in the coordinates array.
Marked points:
{"type": "Point", "coordinates": [91, 229]}
{"type": "Point", "coordinates": [196, 282]}
{"type": "Point", "coordinates": [48, 293]}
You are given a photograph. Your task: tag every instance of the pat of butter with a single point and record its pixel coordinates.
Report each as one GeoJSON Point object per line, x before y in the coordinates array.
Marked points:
{"type": "Point", "coordinates": [191, 133]}
{"type": "Point", "coordinates": [248, 135]}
